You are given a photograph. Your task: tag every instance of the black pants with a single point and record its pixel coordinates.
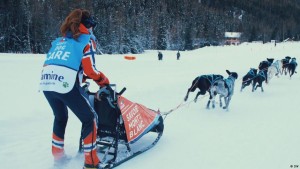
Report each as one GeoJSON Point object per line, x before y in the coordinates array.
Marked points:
{"type": "Point", "coordinates": [77, 101]}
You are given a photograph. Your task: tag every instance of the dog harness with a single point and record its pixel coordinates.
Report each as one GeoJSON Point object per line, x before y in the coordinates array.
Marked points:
{"type": "Point", "coordinates": [293, 61]}
{"type": "Point", "coordinates": [211, 78]}
{"type": "Point", "coordinates": [262, 74]}
{"type": "Point", "coordinates": [251, 72]}
{"type": "Point", "coordinates": [229, 83]}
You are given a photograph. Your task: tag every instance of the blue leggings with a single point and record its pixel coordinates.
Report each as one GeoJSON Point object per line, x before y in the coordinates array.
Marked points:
{"type": "Point", "coordinates": [77, 101]}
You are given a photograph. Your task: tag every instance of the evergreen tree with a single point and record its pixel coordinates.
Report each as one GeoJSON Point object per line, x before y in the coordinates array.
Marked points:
{"type": "Point", "coordinates": [162, 35]}
{"type": "Point", "coordinates": [188, 38]}
{"type": "Point", "coordinates": [133, 26]}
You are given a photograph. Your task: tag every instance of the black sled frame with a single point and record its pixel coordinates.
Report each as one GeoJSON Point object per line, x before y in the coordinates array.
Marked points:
{"type": "Point", "coordinates": [112, 144]}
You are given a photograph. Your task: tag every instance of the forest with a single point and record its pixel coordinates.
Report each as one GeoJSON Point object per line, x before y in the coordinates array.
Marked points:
{"type": "Point", "coordinates": [132, 26]}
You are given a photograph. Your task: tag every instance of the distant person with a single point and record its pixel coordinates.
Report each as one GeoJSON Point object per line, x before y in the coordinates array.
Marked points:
{"type": "Point", "coordinates": [178, 55]}
{"type": "Point", "coordinates": [160, 56]}
{"type": "Point", "coordinates": [69, 57]}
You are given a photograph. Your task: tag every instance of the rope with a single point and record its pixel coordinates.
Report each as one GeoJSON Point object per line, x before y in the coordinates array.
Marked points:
{"type": "Point", "coordinates": [183, 103]}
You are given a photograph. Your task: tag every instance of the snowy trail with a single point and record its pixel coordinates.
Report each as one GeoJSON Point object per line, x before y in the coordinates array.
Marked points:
{"type": "Point", "coordinates": [260, 130]}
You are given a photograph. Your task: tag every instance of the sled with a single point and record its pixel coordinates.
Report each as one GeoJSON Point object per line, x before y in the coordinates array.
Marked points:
{"type": "Point", "coordinates": [125, 129]}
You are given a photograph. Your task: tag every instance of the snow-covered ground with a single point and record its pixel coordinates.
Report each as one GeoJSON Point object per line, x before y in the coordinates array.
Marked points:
{"type": "Point", "coordinates": [260, 130]}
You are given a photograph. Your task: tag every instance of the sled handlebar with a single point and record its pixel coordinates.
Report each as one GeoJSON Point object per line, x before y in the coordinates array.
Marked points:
{"type": "Point", "coordinates": [122, 91]}
{"type": "Point", "coordinates": [111, 86]}
{"type": "Point", "coordinates": [114, 86]}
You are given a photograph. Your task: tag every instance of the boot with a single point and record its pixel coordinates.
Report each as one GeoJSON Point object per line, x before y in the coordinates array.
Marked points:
{"type": "Point", "coordinates": [88, 166]}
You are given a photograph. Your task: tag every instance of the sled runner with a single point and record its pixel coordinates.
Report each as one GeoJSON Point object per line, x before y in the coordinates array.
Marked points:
{"type": "Point", "coordinates": [125, 129]}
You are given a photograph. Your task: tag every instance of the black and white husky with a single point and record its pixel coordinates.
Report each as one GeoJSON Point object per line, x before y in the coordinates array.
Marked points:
{"type": "Point", "coordinates": [225, 89]}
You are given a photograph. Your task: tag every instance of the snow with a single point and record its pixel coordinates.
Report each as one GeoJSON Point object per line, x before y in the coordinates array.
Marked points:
{"type": "Point", "coordinates": [260, 130]}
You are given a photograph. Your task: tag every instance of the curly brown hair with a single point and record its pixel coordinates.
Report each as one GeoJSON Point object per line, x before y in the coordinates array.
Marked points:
{"type": "Point", "coordinates": [73, 21]}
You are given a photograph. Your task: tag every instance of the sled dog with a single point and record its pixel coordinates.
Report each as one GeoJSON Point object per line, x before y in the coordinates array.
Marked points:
{"type": "Point", "coordinates": [203, 83]}
{"type": "Point", "coordinates": [285, 64]}
{"type": "Point", "coordinates": [259, 79]}
{"type": "Point", "coordinates": [225, 89]}
{"type": "Point", "coordinates": [248, 78]}
{"type": "Point", "coordinates": [292, 67]}
{"type": "Point", "coordinates": [274, 69]}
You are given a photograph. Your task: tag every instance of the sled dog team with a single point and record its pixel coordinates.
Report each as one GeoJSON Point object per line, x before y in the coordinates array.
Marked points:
{"type": "Point", "coordinates": [267, 69]}
{"type": "Point", "coordinates": [215, 84]}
